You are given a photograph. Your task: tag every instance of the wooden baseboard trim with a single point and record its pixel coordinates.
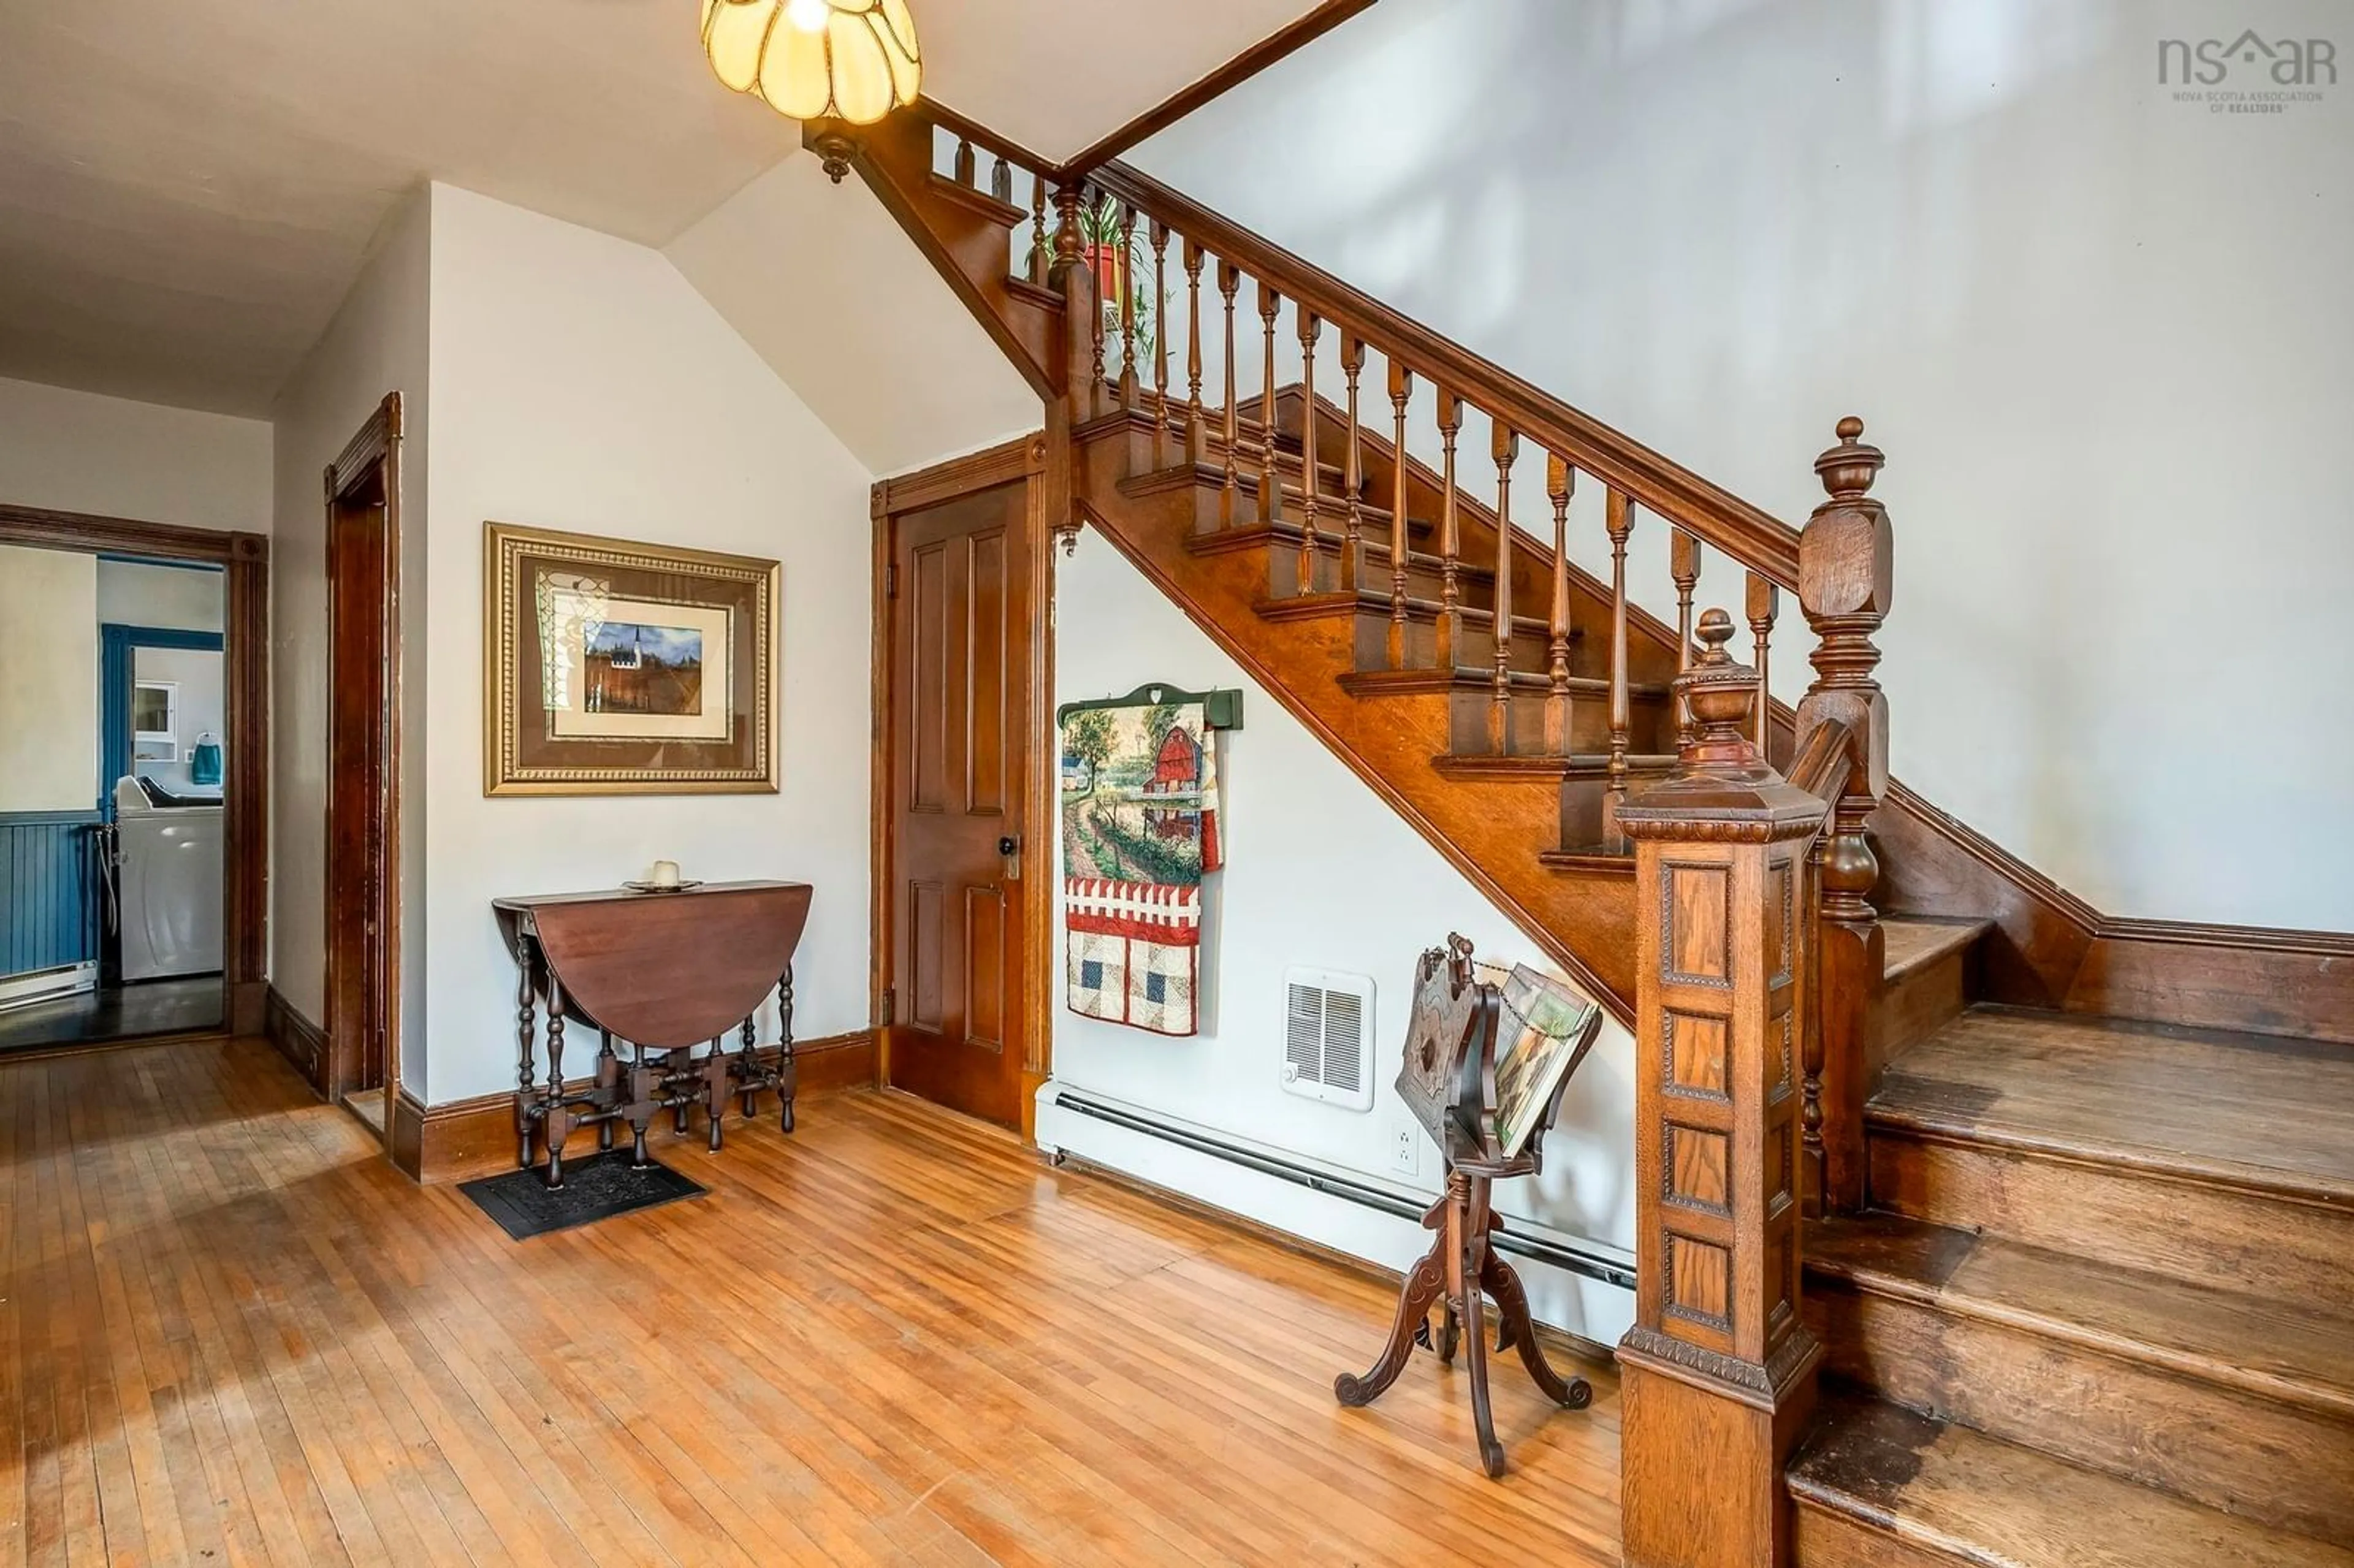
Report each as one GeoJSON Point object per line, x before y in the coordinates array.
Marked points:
{"type": "Point", "coordinates": [299, 1039]}
{"type": "Point", "coordinates": [466, 1138]}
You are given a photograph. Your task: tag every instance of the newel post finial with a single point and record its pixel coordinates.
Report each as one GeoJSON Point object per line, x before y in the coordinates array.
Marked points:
{"type": "Point", "coordinates": [1721, 695]}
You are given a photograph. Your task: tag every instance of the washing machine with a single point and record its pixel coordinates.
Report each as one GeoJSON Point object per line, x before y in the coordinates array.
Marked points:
{"type": "Point", "coordinates": [168, 881]}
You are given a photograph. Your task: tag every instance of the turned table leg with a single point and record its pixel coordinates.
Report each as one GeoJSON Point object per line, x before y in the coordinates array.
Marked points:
{"type": "Point", "coordinates": [714, 1092]}
{"type": "Point", "coordinates": [559, 1119]}
{"type": "Point", "coordinates": [524, 1064]}
{"type": "Point", "coordinates": [785, 1074]}
{"type": "Point", "coordinates": [609, 1080]}
{"type": "Point", "coordinates": [747, 1064]}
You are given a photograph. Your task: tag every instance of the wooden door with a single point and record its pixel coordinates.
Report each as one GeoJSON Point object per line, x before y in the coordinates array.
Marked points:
{"type": "Point", "coordinates": [959, 606]}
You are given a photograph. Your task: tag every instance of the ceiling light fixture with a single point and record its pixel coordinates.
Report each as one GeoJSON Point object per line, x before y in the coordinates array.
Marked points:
{"type": "Point", "coordinates": [853, 60]}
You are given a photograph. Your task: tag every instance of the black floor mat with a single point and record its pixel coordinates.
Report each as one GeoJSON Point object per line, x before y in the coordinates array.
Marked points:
{"type": "Point", "coordinates": [595, 1188]}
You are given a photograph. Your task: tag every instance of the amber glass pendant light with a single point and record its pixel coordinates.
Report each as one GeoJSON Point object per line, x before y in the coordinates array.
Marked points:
{"type": "Point", "coordinates": [853, 60]}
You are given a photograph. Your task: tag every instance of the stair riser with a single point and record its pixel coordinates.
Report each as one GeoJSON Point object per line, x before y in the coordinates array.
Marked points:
{"type": "Point", "coordinates": [1531, 730]}
{"type": "Point", "coordinates": [1423, 580]}
{"type": "Point", "coordinates": [2243, 1241]}
{"type": "Point", "coordinates": [2228, 1448]}
{"type": "Point", "coordinates": [1909, 1008]}
{"type": "Point", "coordinates": [1471, 650]}
{"type": "Point", "coordinates": [1822, 1539]}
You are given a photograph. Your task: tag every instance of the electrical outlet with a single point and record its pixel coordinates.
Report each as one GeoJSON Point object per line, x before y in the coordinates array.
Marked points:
{"type": "Point", "coordinates": [1405, 1149]}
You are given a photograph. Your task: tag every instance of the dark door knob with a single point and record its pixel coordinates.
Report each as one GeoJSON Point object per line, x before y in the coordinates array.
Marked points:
{"type": "Point", "coordinates": [1009, 845]}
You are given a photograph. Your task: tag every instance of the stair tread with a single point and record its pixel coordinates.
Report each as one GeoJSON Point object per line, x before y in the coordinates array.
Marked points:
{"type": "Point", "coordinates": [2297, 1351]}
{"type": "Point", "coordinates": [2260, 1112]}
{"type": "Point", "coordinates": [1543, 765]}
{"type": "Point", "coordinates": [1981, 1500]}
{"type": "Point", "coordinates": [1915, 942]}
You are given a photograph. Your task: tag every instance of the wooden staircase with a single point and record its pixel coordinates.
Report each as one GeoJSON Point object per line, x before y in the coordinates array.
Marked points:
{"type": "Point", "coordinates": [2078, 1259]}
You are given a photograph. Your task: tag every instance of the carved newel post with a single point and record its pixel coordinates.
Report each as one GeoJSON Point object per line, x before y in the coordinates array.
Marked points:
{"type": "Point", "coordinates": [1846, 570]}
{"type": "Point", "coordinates": [1718, 1373]}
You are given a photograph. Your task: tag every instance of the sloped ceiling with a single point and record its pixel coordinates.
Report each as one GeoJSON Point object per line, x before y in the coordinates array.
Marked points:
{"type": "Point", "coordinates": [819, 280]}
{"type": "Point", "coordinates": [186, 191]}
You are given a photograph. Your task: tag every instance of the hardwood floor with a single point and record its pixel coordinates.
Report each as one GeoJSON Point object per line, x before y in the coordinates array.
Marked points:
{"type": "Point", "coordinates": [232, 1334]}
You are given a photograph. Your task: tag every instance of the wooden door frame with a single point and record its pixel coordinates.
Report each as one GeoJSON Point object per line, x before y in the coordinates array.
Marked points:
{"type": "Point", "coordinates": [245, 816]}
{"type": "Point", "coordinates": [1022, 461]}
{"type": "Point", "coordinates": [376, 445]}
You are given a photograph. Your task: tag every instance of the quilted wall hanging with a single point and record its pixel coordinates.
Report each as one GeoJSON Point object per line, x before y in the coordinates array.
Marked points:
{"type": "Point", "coordinates": [1140, 829]}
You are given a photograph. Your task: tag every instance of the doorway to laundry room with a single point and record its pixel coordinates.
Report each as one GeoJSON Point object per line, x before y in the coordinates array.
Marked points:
{"type": "Point", "coordinates": [129, 864]}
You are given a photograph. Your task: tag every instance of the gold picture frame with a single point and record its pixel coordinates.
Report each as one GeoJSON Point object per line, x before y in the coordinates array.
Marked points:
{"type": "Point", "coordinates": [618, 667]}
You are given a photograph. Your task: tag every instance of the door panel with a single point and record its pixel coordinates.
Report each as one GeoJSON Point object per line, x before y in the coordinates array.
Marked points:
{"type": "Point", "coordinates": [959, 635]}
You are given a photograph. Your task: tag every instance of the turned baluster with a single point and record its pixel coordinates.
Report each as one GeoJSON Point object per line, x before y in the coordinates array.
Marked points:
{"type": "Point", "coordinates": [1683, 565]}
{"type": "Point", "coordinates": [1070, 243]}
{"type": "Point", "coordinates": [1311, 328]}
{"type": "Point", "coordinates": [1450, 542]}
{"type": "Point", "coordinates": [1353, 475]}
{"type": "Point", "coordinates": [1126, 282]}
{"type": "Point", "coordinates": [1270, 484]}
{"type": "Point", "coordinates": [964, 163]}
{"type": "Point", "coordinates": [1618, 518]}
{"type": "Point", "coordinates": [1504, 443]}
{"type": "Point", "coordinates": [1401, 388]}
{"type": "Point", "coordinates": [1041, 252]}
{"type": "Point", "coordinates": [1230, 279]}
{"type": "Point", "coordinates": [1764, 602]}
{"type": "Point", "coordinates": [1159, 342]}
{"type": "Point", "coordinates": [1001, 180]}
{"type": "Point", "coordinates": [1560, 478]}
{"type": "Point", "coordinates": [1098, 254]}
{"type": "Point", "coordinates": [1193, 431]}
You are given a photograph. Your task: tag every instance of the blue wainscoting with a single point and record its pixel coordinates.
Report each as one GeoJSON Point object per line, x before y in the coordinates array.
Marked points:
{"type": "Point", "coordinates": [49, 895]}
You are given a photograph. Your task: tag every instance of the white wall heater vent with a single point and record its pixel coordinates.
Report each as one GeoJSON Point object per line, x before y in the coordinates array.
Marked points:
{"type": "Point", "coordinates": [1327, 1038]}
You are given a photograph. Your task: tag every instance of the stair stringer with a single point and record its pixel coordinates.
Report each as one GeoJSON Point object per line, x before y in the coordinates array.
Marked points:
{"type": "Point", "coordinates": [1492, 831]}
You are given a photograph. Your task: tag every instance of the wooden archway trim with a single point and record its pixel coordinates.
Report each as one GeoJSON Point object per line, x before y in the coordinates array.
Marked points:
{"type": "Point", "coordinates": [245, 557]}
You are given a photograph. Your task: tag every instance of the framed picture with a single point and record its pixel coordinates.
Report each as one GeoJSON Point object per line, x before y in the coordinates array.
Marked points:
{"type": "Point", "coordinates": [616, 668]}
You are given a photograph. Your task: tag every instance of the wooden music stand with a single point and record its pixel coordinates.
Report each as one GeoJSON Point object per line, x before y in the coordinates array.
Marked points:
{"type": "Point", "coordinates": [1448, 1080]}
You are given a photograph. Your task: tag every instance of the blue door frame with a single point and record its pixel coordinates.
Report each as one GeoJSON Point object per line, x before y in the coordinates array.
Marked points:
{"type": "Point", "coordinates": [115, 671]}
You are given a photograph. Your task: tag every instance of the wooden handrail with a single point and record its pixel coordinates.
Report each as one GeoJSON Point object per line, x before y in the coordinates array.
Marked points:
{"type": "Point", "coordinates": [1759, 541]}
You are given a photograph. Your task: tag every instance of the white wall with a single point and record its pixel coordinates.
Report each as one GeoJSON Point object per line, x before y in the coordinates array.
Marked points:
{"type": "Point", "coordinates": [199, 705]}
{"type": "Point", "coordinates": [375, 344]}
{"type": "Point", "coordinates": [48, 680]}
{"type": "Point", "coordinates": [183, 599]}
{"type": "Point", "coordinates": [822, 283]}
{"type": "Point", "coordinates": [1320, 872]}
{"type": "Point", "coordinates": [2102, 335]}
{"type": "Point", "coordinates": [79, 451]}
{"type": "Point", "coordinates": [579, 381]}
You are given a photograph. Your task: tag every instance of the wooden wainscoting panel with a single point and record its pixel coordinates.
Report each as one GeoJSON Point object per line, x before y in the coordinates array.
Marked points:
{"type": "Point", "coordinates": [470, 1138]}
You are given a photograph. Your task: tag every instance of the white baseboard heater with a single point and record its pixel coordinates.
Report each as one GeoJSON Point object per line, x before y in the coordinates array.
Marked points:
{"type": "Point", "coordinates": [1563, 1254]}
